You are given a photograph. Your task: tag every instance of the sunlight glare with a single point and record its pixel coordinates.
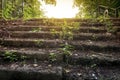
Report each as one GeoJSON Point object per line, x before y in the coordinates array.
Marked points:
{"type": "Point", "coordinates": [63, 9]}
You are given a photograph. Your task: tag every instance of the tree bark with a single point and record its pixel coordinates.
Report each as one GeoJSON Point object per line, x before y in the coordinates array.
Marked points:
{"type": "Point", "coordinates": [0, 9]}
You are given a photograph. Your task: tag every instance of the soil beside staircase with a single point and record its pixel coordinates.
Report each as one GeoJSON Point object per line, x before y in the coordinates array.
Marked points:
{"type": "Point", "coordinates": [34, 50]}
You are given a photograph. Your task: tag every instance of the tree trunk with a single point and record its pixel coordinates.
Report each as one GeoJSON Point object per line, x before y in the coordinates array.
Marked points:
{"type": "Point", "coordinates": [0, 9]}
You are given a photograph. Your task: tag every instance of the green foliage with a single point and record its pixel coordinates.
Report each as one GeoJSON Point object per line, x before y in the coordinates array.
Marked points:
{"type": "Point", "coordinates": [23, 57]}
{"type": "Point", "coordinates": [108, 24]}
{"type": "Point", "coordinates": [32, 9]}
{"type": "Point", "coordinates": [53, 32]}
{"type": "Point", "coordinates": [10, 56]}
{"type": "Point", "coordinates": [66, 50]}
{"type": "Point", "coordinates": [8, 10]}
{"type": "Point", "coordinates": [68, 29]}
{"type": "Point", "coordinates": [110, 28]}
{"type": "Point", "coordinates": [89, 8]}
{"type": "Point", "coordinates": [93, 65]}
{"type": "Point", "coordinates": [52, 57]}
{"type": "Point", "coordinates": [39, 43]}
{"type": "Point", "coordinates": [13, 9]}
{"type": "Point", "coordinates": [27, 9]}
{"type": "Point", "coordinates": [49, 22]}
{"type": "Point", "coordinates": [36, 29]}
{"type": "Point", "coordinates": [13, 56]}
{"type": "Point", "coordinates": [94, 37]}
{"type": "Point", "coordinates": [50, 2]}
{"type": "Point", "coordinates": [67, 47]}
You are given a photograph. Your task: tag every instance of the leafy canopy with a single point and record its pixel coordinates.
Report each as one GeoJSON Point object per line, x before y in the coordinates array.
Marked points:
{"type": "Point", "coordinates": [26, 9]}
{"type": "Point", "coordinates": [90, 7]}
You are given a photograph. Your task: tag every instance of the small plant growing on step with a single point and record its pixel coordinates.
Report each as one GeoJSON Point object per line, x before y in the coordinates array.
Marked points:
{"type": "Point", "coordinates": [39, 43]}
{"type": "Point", "coordinates": [108, 24]}
{"type": "Point", "coordinates": [94, 37]}
{"type": "Point", "coordinates": [52, 57]}
{"type": "Point", "coordinates": [13, 56]}
{"type": "Point", "coordinates": [36, 30]}
{"type": "Point", "coordinates": [93, 65]}
{"type": "Point", "coordinates": [48, 22]}
{"type": "Point", "coordinates": [66, 50]}
{"type": "Point", "coordinates": [10, 56]}
{"type": "Point", "coordinates": [109, 27]}
{"type": "Point", "coordinates": [67, 46]}
{"type": "Point", "coordinates": [23, 57]}
{"type": "Point", "coordinates": [45, 21]}
{"type": "Point", "coordinates": [75, 26]}
{"type": "Point", "coordinates": [53, 32]}
{"type": "Point", "coordinates": [68, 30]}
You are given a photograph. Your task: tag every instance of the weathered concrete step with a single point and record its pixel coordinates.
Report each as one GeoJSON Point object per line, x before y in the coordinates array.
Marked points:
{"type": "Point", "coordinates": [33, 28]}
{"type": "Point", "coordinates": [41, 43]}
{"type": "Point", "coordinates": [99, 29]}
{"type": "Point", "coordinates": [98, 24]}
{"type": "Point", "coordinates": [52, 21]}
{"type": "Point", "coordinates": [96, 45]}
{"type": "Point", "coordinates": [58, 23]}
{"type": "Point", "coordinates": [50, 35]}
{"type": "Point", "coordinates": [46, 71]}
{"type": "Point", "coordinates": [28, 71]}
{"type": "Point", "coordinates": [91, 73]}
{"type": "Point", "coordinates": [29, 34]}
{"type": "Point", "coordinates": [58, 20]}
{"type": "Point", "coordinates": [11, 22]}
{"type": "Point", "coordinates": [79, 45]}
{"type": "Point", "coordinates": [92, 57]}
{"type": "Point", "coordinates": [70, 19]}
{"type": "Point", "coordinates": [48, 28]}
{"type": "Point", "coordinates": [34, 53]}
{"type": "Point", "coordinates": [115, 19]}
{"type": "Point", "coordinates": [75, 58]}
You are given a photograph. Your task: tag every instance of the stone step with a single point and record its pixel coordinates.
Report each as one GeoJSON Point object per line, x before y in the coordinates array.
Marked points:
{"type": "Point", "coordinates": [115, 19]}
{"type": "Point", "coordinates": [50, 35]}
{"type": "Point", "coordinates": [52, 21]}
{"type": "Point", "coordinates": [92, 57]}
{"type": "Point", "coordinates": [33, 28]}
{"type": "Point", "coordinates": [58, 23]}
{"type": "Point", "coordinates": [59, 20]}
{"type": "Point", "coordinates": [33, 53]}
{"type": "Point", "coordinates": [27, 71]}
{"type": "Point", "coordinates": [70, 19]}
{"type": "Point", "coordinates": [99, 29]}
{"type": "Point", "coordinates": [12, 22]}
{"type": "Point", "coordinates": [30, 71]}
{"type": "Point", "coordinates": [31, 35]}
{"type": "Point", "coordinates": [56, 43]}
{"type": "Point", "coordinates": [75, 58]}
{"type": "Point", "coordinates": [91, 73]}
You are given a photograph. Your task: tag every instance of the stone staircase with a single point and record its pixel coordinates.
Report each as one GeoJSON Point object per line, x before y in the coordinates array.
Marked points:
{"type": "Point", "coordinates": [33, 50]}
